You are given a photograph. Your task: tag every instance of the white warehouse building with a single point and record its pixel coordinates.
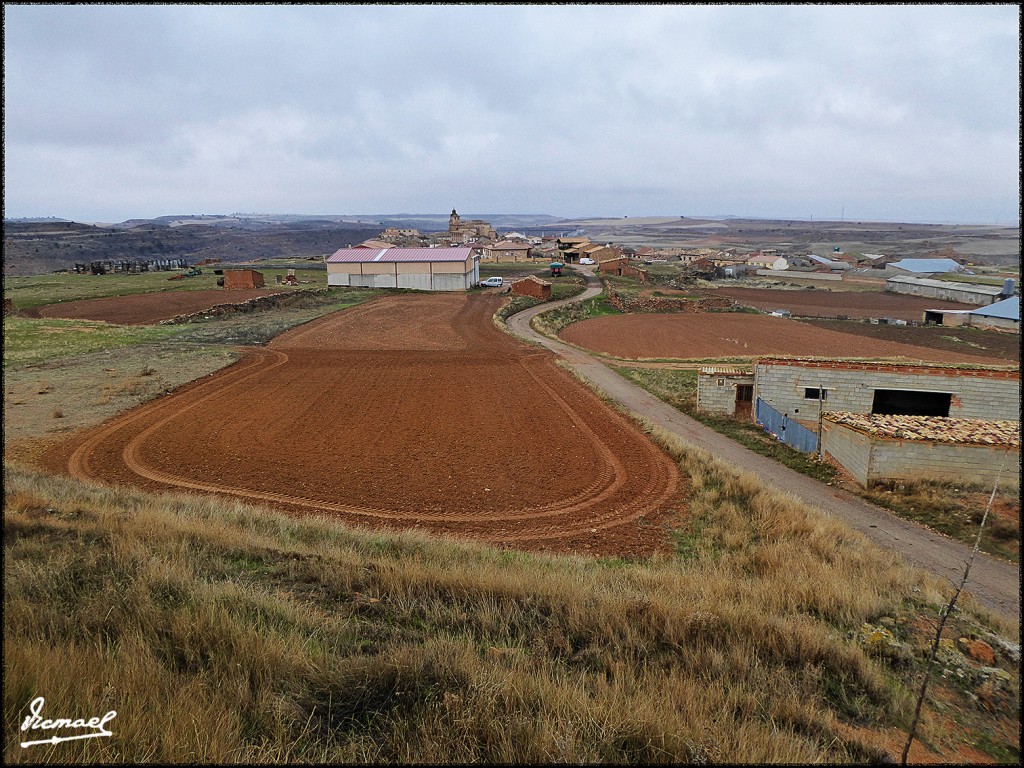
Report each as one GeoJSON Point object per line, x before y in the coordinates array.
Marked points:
{"type": "Point", "coordinates": [425, 269]}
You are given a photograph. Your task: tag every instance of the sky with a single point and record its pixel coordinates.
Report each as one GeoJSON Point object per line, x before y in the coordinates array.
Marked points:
{"type": "Point", "coordinates": [882, 113]}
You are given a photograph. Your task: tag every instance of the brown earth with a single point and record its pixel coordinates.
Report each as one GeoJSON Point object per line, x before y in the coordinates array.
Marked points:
{"type": "Point", "coordinates": [965, 341]}
{"type": "Point", "coordinates": [146, 308]}
{"type": "Point", "coordinates": [410, 411]}
{"type": "Point", "coordinates": [857, 305]}
{"type": "Point", "coordinates": [703, 335]}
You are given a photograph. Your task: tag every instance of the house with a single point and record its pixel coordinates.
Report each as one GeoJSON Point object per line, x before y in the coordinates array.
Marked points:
{"type": "Point", "coordinates": [767, 261]}
{"type": "Point", "coordinates": [427, 269]}
{"type": "Point", "coordinates": [567, 248]}
{"type": "Point", "coordinates": [598, 253]}
{"type": "Point", "coordinates": [506, 251]}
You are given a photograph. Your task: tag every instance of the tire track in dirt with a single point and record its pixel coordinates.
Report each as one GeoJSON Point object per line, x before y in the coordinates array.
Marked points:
{"type": "Point", "coordinates": [618, 478]}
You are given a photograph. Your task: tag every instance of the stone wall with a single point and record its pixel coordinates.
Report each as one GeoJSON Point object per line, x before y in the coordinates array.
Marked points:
{"type": "Point", "coordinates": [665, 304]}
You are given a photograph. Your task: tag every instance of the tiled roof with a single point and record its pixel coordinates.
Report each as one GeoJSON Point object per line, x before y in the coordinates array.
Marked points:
{"type": "Point", "coordinates": [933, 428]}
{"type": "Point", "coordinates": [364, 255]}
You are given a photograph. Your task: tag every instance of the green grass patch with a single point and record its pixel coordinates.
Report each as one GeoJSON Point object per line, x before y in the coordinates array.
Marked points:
{"type": "Point", "coordinates": [28, 341]}
{"type": "Point", "coordinates": [554, 321]}
{"type": "Point", "coordinates": [39, 290]}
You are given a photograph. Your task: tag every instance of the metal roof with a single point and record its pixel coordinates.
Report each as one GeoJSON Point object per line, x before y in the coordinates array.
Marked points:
{"type": "Point", "coordinates": [1007, 309]}
{"type": "Point", "coordinates": [926, 265]}
{"type": "Point", "coordinates": [389, 255]}
{"type": "Point", "coordinates": [983, 290]}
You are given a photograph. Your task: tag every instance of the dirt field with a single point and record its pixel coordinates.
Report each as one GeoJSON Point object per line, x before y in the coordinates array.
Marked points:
{"type": "Point", "coordinates": [965, 341]}
{"type": "Point", "coordinates": [736, 334]}
{"type": "Point", "coordinates": [852, 304]}
{"type": "Point", "coordinates": [146, 308]}
{"type": "Point", "coordinates": [410, 411]}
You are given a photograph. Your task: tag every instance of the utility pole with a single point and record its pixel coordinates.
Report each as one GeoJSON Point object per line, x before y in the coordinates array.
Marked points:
{"type": "Point", "coordinates": [821, 410]}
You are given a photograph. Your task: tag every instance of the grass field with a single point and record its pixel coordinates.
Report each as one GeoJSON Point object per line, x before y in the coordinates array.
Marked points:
{"type": "Point", "coordinates": [28, 292]}
{"type": "Point", "coordinates": [221, 632]}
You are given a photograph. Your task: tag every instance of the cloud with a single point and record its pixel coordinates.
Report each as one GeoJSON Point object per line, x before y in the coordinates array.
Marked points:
{"type": "Point", "coordinates": [120, 111]}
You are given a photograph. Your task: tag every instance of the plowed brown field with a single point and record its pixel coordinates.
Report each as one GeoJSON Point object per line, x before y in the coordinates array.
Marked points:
{"type": "Point", "coordinates": [409, 411]}
{"type": "Point", "coordinates": [735, 334]}
{"type": "Point", "coordinates": [145, 308]}
{"type": "Point", "coordinates": [857, 305]}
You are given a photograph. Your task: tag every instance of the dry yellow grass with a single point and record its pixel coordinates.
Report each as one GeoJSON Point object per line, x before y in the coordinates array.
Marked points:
{"type": "Point", "coordinates": [225, 633]}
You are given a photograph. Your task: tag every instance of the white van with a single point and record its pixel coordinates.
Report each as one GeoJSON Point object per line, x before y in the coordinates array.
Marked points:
{"type": "Point", "coordinates": [492, 282]}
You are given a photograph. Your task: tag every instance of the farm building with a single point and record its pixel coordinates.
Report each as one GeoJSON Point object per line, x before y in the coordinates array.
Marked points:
{"type": "Point", "coordinates": [532, 286]}
{"type": "Point", "coordinates": [835, 266]}
{"type": "Point", "coordinates": [792, 386]}
{"type": "Point", "coordinates": [235, 279]}
{"type": "Point", "coordinates": [965, 293]}
{"type": "Point", "coordinates": [725, 390]}
{"type": "Point", "coordinates": [426, 269]}
{"type": "Point", "coordinates": [926, 266]}
{"type": "Point", "coordinates": [1002, 316]}
{"type": "Point", "coordinates": [873, 448]}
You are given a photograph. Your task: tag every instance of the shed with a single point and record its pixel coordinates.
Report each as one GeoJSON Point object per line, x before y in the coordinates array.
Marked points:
{"type": "Point", "coordinates": [801, 388]}
{"type": "Point", "coordinates": [927, 266]}
{"type": "Point", "coordinates": [532, 286]}
{"type": "Point", "coordinates": [946, 290]}
{"type": "Point", "coordinates": [425, 269]}
{"type": "Point", "coordinates": [235, 279]}
{"type": "Point", "coordinates": [1003, 315]}
{"type": "Point", "coordinates": [726, 390]}
{"type": "Point", "coordinates": [873, 447]}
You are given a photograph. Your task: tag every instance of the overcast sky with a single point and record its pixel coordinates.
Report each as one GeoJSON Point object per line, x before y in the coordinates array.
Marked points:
{"type": "Point", "coordinates": [907, 113]}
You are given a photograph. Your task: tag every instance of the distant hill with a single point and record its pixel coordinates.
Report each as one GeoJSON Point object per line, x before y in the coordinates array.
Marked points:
{"type": "Point", "coordinates": [33, 248]}
{"type": "Point", "coordinates": [41, 245]}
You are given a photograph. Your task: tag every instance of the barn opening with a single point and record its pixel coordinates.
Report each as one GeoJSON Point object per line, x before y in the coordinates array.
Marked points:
{"type": "Point", "coordinates": [907, 402]}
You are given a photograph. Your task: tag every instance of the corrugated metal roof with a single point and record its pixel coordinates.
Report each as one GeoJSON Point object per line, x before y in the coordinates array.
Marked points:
{"type": "Point", "coordinates": [1007, 309]}
{"type": "Point", "coordinates": [926, 265]}
{"type": "Point", "coordinates": [389, 255]}
{"type": "Point", "coordinates": [984, 290]}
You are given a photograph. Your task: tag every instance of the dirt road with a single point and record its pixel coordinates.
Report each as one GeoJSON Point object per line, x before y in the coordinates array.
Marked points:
{"type": "Point", "coordinates": [994, 583]}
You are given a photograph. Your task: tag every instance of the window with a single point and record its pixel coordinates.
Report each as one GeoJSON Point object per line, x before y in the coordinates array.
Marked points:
{"type": "Point", "coordinates": [911, 403]}
{"type": "Point", "coordinates": [812, 393]}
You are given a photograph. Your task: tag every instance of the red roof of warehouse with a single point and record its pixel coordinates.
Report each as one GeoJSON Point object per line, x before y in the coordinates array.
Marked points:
{"type": "Point", "coordinates": [348, 255]}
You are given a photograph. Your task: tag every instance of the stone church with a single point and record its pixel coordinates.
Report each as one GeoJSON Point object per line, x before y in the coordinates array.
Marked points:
{"type": "Point", "coordinates": [468, 231]}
